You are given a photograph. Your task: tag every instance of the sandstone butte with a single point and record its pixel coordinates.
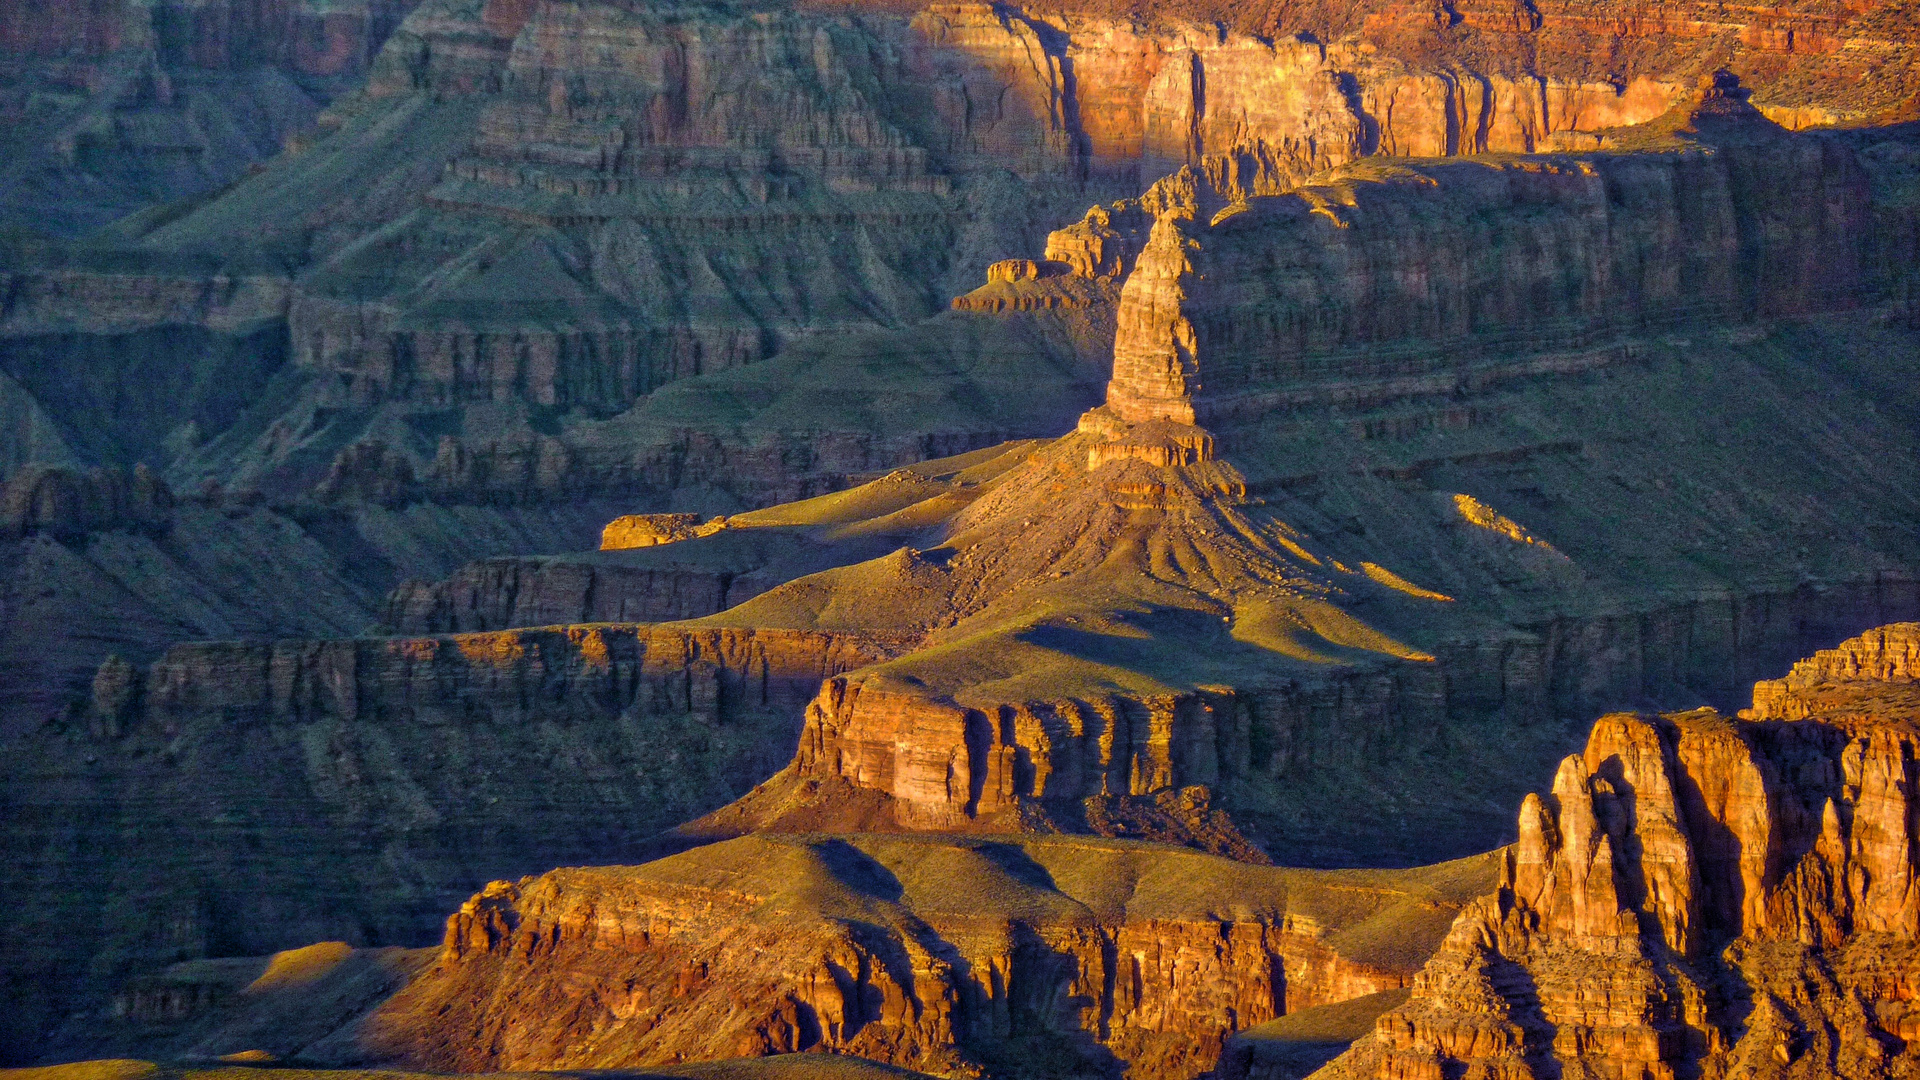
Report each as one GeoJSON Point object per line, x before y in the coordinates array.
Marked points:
{"type": "Point", "coordinates": [1696, 894]}
{"type": "Point", "coordinates": [629, 290]}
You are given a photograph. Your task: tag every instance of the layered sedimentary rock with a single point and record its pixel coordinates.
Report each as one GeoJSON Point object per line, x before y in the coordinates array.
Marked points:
{"type": "Point", "coordinates": [1025, 956]}
{"type": "Point", "coordinates": [314, 39]}
{"type": "Point", "coordinates": [616, 222]}
{"type": "Point", "coordinates": [107, 108]}
{"type": "Point", "coordinates": [1224, 317]}
{"type": "Point", "coordinates": [1697, 893]}
{"type": "Point", "coordinates": [69, 505]}
{"type": "Point", "coordinates": [700, 263]}
{"type": "Point", "coordinates": [237, 798]}
{"type": "Point", "coordinates": [502, 593]}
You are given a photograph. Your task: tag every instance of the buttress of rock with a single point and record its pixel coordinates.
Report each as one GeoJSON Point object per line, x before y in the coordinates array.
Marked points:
{"type": "Point", "coordinates": [1684, 870]}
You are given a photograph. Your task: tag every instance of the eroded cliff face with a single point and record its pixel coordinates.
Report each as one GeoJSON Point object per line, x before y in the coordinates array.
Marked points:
{"type": "Point", "coordinates": [507, 225]}
{"type": "Point", "coordinates": [1031, 957]}
{"type": "Point", "coordinates": [314, 39]}
{"type": "Point", "coordinates": [1236, 307]}
{"type": "Point", "coordinates": [108, 108]}
{"type": "Point", "coordinates": [236, 798]}
{"type": "Point", "coordinates": [1699, 895]}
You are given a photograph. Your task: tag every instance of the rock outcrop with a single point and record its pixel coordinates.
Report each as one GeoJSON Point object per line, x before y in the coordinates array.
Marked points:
{"type": "Point", "coordinates": [68, 505]}
{"type": "Point", "coordinates": [1031, 956]}
{"type": "Point", "coordinates": [1697, 894]}
{"type": "Point", "coordinates": [501, 594]}
{"type": "Point", "coordinates": [1235, 306]}
{"type": "Point", "coordinates": [500, 219]}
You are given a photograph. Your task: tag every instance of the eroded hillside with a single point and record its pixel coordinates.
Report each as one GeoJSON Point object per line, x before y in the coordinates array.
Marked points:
{"type": "Point", "coordinates": [1421, 383]}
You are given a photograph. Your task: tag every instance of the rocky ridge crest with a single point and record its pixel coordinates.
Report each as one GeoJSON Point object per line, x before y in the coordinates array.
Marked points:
{"type": "Point", "coordinates": [1697, 895]}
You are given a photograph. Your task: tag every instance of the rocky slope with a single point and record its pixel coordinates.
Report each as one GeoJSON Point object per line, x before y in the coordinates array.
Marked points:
{"type": "Point", "coordinates": [1235, 307]}
{"type": "Point", "coordinates": [710, 266]}
{"type": "Point", "coordinates": [501, 219]}
{"type": "Point", "coordinates": [1557, 544]}
{"type": "Point", "coordinates": [109, 108]}
{"type": "Point", "coordinates": [1697, 895]}
{"type": "Point", "coordinates": [1038, 957]}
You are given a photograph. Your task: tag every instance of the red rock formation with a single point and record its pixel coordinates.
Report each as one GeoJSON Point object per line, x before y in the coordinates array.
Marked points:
{"type": "Point", "coordinates": [304, 790]}
{"type": "Point", "coordinates": [909, 951]}
{"type": "Point", "coordinates": [946, 766]}
{"type": "Point", "coordinates": [1221, 319]}
{"type": "Point", "coordinates": [1697, 894]}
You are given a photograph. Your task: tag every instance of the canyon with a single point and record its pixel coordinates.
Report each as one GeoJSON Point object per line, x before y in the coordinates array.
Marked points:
{"type": "Point", "coordinates": [1697, 892]}
{"type": "Point", "coordinates": [1735, 894]}
{"type": "Point", "coordinates": [953, 494]}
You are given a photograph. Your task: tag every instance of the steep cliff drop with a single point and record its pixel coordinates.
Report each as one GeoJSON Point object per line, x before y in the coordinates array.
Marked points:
{"type": "Point", "coordinates": [1384, 493]}
{"type": "Point", "coordinates": [1099, 621]}
{"type": "Point", "coordinates": [1697, 896]}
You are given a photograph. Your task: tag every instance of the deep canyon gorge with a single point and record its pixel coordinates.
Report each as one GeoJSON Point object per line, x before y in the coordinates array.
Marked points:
{"type": "Point", "coordinates": [1073, 539]}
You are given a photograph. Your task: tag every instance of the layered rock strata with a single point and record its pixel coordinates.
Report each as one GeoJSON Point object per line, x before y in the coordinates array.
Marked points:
{"type": "Point", "coordinates": [1697, 894]}
{"type": "Point", "coordinates": [502, 594]}
{"type": "Point", "coordinates": [108, 108]}
{"type": "Point", "coordinates": [235, 798]}
{"type": "Point", "coordinates": [69, 504]}
{"type": "Point", "coordinates": [1232, 305]}
{"type": "Point", "coordinates": [639, 191]}
{"type": "Point", "coordinates": [312, 39]}
{"type": "Point", "coordinates": [1025, 956]}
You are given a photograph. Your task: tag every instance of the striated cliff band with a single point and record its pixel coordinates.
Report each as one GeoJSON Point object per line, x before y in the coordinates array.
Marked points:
{"type": "Point", "coordinates": [1697, 895]}
{"type": "Point", "coordinates": [1417, 545]}
{"type": "Point", "coordinates": [503, 240]}
{"type": "Point", "coordinates": [1445, 376]}
{"type": "Point", "coordinates": [505, 273]}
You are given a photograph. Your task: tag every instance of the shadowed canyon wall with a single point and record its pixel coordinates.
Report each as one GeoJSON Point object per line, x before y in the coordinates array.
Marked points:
{"type": "Point", "coordinates": [707, 263]}
{"type": "Point", "coordinates": [357, 788]}
{"type": "Point", "coordinates": [110, 107]}
{"type": "Point", "coordinates": [1695, 892]}
{"type": "Point", "coordinates": [1376, 274]}
{"type": "Point", "coordinates": [503, 220]}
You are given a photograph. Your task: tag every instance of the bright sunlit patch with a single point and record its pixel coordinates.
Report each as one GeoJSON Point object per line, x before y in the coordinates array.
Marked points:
{"type": "Point", "coordinates": [1394, 581]}
{"type": "Point", "coordinates": [1479, 514]}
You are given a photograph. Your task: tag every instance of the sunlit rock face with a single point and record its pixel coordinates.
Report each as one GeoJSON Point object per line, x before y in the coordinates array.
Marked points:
{"type": "Point", "coordinates": [567, 208]}
{"type": "Point", "coordinates": [927, 952]}
{"type": "Point", "coordinates": [708, 259]}
{"type": "Point", "coordinates": [1697, 893]}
